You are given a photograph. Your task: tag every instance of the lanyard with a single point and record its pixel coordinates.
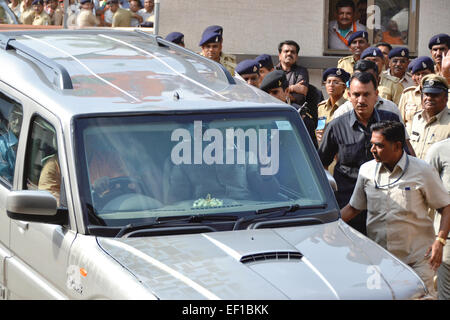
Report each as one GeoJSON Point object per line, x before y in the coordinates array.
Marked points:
{"type": "Point", "coordinates": [389, 184]}
{"type": "Point", "coordinates": [345, 41]}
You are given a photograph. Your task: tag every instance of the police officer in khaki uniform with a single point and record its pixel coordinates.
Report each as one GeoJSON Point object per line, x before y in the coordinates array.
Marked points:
{"type": "Point", "coordinates": [26, 12]}
{"type": "Point", "coordinates": [121, 17]}
{"type": "Point", "coordinates": [56, 13]}
{"type": "Point", "coordinates": [398, 65]}
{"type": "Point", "coordinates": [386, 49]}
{"type": "Point", "coordinates": [176, 37]}
{"type": "Point", "coordinates": [265, 65]}
{"type": "Point", "coordinates": [86, 17]}
{"type": "Point", "coordinates": [411, 99]}
{"type": "Point", "coordinates": [397, 190]}
{"type": "Point", "coordinates": [438, 156]}
{"type": "Point", "coordinates": [249, 71]}
{"type": "Point", "coordinates": [41, 18]}
{"type": "Point", "coordinates": [357, 43]}
{"type": "Point", "coordinates": [439, 45]}
{"type": "Point", "coordinates": [432, 124]}
{"type": "Point", "coordinates": [211, 44]}
{"type": "Point", "coordinates": [335, 80]}
{"type": "Point", "coordinates": [389, 87]}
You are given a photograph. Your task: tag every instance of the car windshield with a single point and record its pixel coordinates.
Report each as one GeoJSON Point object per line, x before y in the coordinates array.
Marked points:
{"type": "Point", "coordinates": [134, 168]}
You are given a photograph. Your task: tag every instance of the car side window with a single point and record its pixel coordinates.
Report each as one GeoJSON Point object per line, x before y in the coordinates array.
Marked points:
{"type": "Point", "coordinates": [11, 115]}
{"type": "Point", "coordinates": [42, 171]}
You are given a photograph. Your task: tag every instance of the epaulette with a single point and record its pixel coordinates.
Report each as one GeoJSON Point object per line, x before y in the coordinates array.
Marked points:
{"type": "Point", "coordinates": [392, 78]}
{"type": "Point", "coordinates": [345, 58]}
{"type": "Point", "coordinates": [322, 103]}
{"type": "Point", "coordinates": [411, 88]}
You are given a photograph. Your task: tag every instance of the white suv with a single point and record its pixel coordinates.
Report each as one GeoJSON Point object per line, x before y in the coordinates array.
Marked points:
{"type": "Point", "coordinates": [134, 168]}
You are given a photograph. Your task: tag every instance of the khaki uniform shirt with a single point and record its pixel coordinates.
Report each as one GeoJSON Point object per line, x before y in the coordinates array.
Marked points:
{"type": "Point", "coordinates": [86, 18]}
{"type": "Point", "coordinates": [56, 18]}
{"type": "Point", "coordinates": [50, 178]}
{"type": "Point", "coordinates": [410, 103]}
{"type": "Point", "coordinates": [42, 19]}
{"type": "Point", "coordinates": [347, 63]}
{"type": "Point", "coordinates": [438, 156]}
{"type": "Point", "coordinates": [397, 211]}
{"type": "Point", "coordinates": [390, 88]}
{"type": "Point", "coordinates": [26, 15]}
{"type": "Point", "coordinates": [325, 109]}
{"type": "Point", "coordinates": [122, 18]}
{"type": "Point", "coordinates": [228, 61]}
{"type": "Point", "coordinates": [424, 134]}
{"type": "Point", "coordinates": [406, 81]}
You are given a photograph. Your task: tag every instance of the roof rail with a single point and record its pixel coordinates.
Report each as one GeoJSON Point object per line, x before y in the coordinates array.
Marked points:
{"type": "Point", "coordinates": [8, 43]}
{"type": "Point", "coordinates": [164, 43]}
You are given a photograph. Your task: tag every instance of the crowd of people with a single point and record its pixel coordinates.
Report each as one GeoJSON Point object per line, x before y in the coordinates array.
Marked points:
{"type": "Point", "coordinates": [85, 13]}
{"type": "Point", "coordinates": [378, 132]}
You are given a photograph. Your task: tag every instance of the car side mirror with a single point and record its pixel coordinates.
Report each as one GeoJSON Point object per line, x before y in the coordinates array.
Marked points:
{"type": "Point", "coordinates": [331, 180]}
{"type": "Point", "coordinates": [35, 206]}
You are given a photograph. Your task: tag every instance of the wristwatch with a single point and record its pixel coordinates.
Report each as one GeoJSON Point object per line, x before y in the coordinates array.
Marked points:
{"type": "Point", "coordinates": [441, 240]}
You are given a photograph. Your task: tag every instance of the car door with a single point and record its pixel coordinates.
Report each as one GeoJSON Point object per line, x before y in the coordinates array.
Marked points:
{"type": "Point", "coordinates": [38, 269]}
{"type": "Point", "coordinates": [11, 115]}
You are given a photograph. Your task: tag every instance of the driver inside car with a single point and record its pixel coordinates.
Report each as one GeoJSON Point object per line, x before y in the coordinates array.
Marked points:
{"type": "Point", "coordinates": [105, 165]}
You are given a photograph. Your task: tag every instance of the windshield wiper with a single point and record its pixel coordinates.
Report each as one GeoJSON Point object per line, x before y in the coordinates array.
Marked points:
{"type": "Point", "coordinates": [281, 211]}
{"type": "Point", "coordinates": [173, 221]}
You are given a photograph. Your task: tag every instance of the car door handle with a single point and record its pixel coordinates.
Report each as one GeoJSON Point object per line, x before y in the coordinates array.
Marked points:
{"type": "Point", "coordinates": [22, 225]}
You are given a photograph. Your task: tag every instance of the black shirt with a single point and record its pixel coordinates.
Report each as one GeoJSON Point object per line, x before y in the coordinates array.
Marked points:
{"type": "Point", "coordinates": [347, 137]}
{"type": "Point", "coordinates": [294, 76]}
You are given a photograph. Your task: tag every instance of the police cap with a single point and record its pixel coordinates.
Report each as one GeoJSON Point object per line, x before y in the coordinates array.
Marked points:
{"type": "Point", "coordinates": [372, 52]}
{"type": "Point", "coordinates": [265, 61]}
{"type": "Point", "coordinates": [35, 2]}
{"type": "Point", "coordinates": [175, 37]}
{"type": "Point", "coordinates": [441, 38]}
{"type": "Point", "coordinates": [358, 34]}
{"type": "Point", "coordinates": [336, 72]}
{"type": "Point", "coordinates": [433, 83]}
{"type": "Point", "coordinates": [210, 37]}
{"type": "Point", "coordinates": [273, 80]}
{"type": "Point", "coordinates": [247, 67]}
{"type": "Point", "coordinates": [402, 52]}
{"type": "Point", "coordinates": [215, 29]}
{"type": "Point", "coordinates": [84, 1]}
{"type": "Point", "coordinates": [422, 63]}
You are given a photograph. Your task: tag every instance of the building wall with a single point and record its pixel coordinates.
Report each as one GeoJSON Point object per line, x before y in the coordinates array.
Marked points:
{"type": "Point", "coordinates": [251, 27]}
{"type": "Point", "coordinates": [434, 18]}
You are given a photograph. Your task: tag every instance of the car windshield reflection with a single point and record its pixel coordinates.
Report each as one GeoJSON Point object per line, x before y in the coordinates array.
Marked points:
{"type": "Point", "coordinates": [141, 167]}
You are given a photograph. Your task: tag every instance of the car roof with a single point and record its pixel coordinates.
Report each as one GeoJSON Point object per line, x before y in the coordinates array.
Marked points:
{"type": "Point", "coordinates": [106, 70]}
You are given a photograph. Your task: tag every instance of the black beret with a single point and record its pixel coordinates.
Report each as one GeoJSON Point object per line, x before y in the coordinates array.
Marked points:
{"type": "Point", "coordinates": [209, 37]}
{"type": "Point", "coordinates": [358, 34]}
{"type": "Point", "coordinates": [399, 52]}
{"type": "Point", "coordinates": [215, 29]}
{"type": "Point", "coordinates": [175, 37]}
{"type": "Point", "coordinates": [273, 80]}
{"type": "Point", "coordinates": [265, 61]}
{"type": "Point", "coordinates": [372, 52]}
{"type": "Point", "coordinates": [422, 63]}
{"type": "Point", "coordinates": [247, 67]}
{"type": "Point", "coordinates": [441, 38]}
{"type": "Point", "coordinates": [336, 72]}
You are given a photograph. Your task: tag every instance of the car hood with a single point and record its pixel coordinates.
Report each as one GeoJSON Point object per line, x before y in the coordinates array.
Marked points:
{"type": "Point", "coordinates": [328, 261]}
